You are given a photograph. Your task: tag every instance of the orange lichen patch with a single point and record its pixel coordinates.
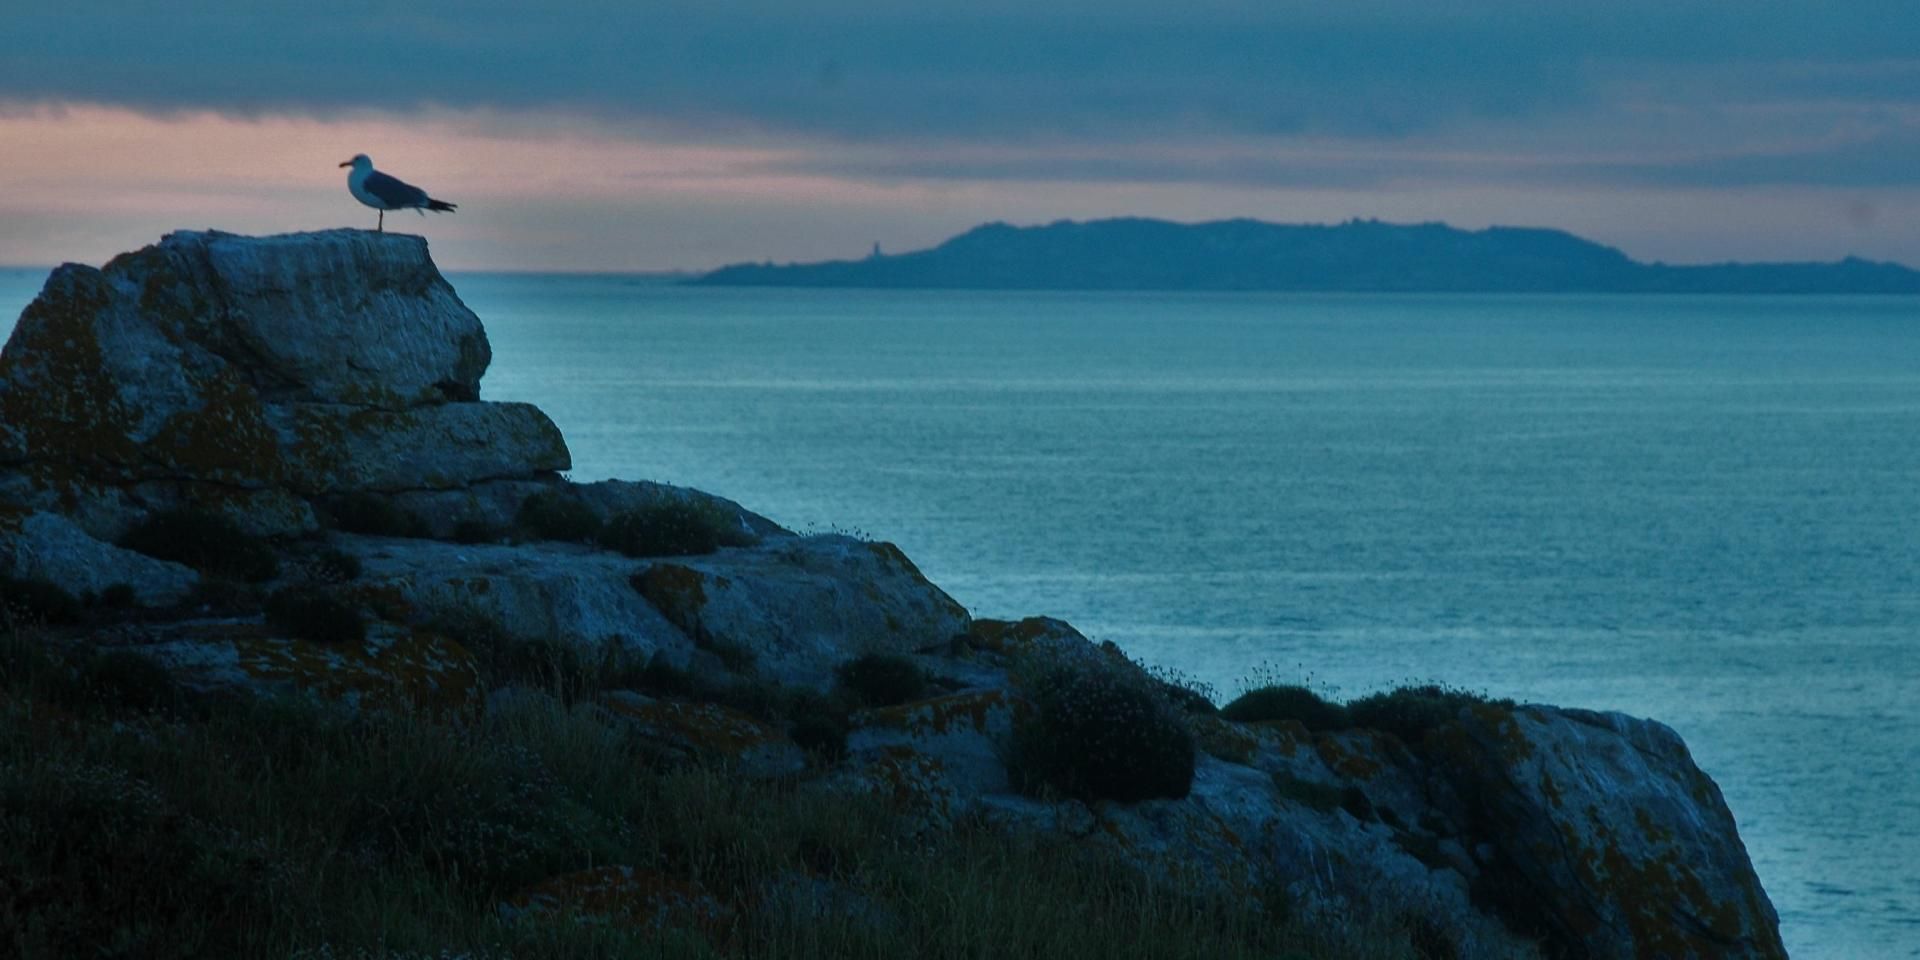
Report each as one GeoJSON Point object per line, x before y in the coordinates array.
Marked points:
{"type": "Point", "coordinates": [225, 439]}
{"type": "Point", "coordinates": [705, 727]}
{"type": "Point", "coordinates": [910, 780]}
{"type": "Point", "coordinates": [1228, 741]}
{"type": "Point", "coordinates": [55, 388]}
{"type": "Point", "coordinates": [938, 715]}
{"type": "Point", "coordinates": [625, 896]}
{"type": "Point", "coordinates": [892, 556]}
{"type": "Point", "coordinates": [399, 668]}
{"type": "Point", "coordinates": [679, 592]}
{"type": "Point", "coordinates": [386, 600]}
{"type": "Point", "coordinates": [1285, 736]}
{"type": "Point", "coordinates": [1342, 759]}
{"type": "Point", "coordinates": [1551, 790]}
{"type": "Point", "coordinates": [1505, 727]}
{"type": "Point", "coordinates": [1001, 636]}
{"type": "Point", "coordinates": [1661, 901]}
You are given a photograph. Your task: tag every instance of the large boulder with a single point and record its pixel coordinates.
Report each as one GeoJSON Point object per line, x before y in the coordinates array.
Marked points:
{"type": "Point", "coordinates": [1609, 840]}
{"type": "Point", "coordinates": [210, 367]}
{"type": "Point", "coordinates": [801, 606]}
{"type": "Point", "coordinates": [339, 316]}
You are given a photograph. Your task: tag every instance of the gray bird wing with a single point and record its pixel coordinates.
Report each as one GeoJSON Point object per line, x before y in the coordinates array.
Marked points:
{"type": "Point", "coordinates": [394, 194]}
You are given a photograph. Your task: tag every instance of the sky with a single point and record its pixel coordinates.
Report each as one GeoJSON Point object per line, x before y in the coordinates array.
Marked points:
{"type": "Point", "coordinates": [686, 135]}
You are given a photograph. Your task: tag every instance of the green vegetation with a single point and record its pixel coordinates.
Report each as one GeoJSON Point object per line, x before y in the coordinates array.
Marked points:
{"type": "Point", "coordinates": [1287, 702]}
{"type": "Point", "coordinates": [558, 515]}
{"type": "Point", "coordinates": [674, 528]}
{"type": "Point", "coordinates": [206, 541]}
{"type": "Point", "coordinates": [286, 828]}
{"type": "Point", "coordinates": [375, 515]}
{"type": "Point", "coordinates": [1099, 733]}
{"type": "Point", "coordinates": [883, 679]}
{"type": "Point", "coordinates": [316, 614]}
{"type": "Point", "coordinates": [1410, 712]}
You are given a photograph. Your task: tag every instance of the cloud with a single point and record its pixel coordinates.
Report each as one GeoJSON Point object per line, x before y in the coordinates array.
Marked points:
{"type": "Point", "coordinates": [884, 69]}
{"type": "Point", "coordinates": [842, 121]}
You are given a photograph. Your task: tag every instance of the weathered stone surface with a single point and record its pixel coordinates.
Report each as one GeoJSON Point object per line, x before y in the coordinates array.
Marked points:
{"type": "Point", "coordinates": [538, 591]}
{"type": "Point", "coordinates": [338, 316]}
{"type": "Point", "coordinates": [934, 759]}
{"type": "Point", "coordinates": [1609, 836]}
{"type": "Point", "coordinates": [224, 369]}
{"type": "Point", "coordinates": [394, 666]}
{"type": "Point", "coordinates": [609, 498]}
{"type": "Point", "coordinates": [804, 605]}
{"type": "Point", "coordinates": [43, 546]}
{"type": "Point", "coordinates": [709, 732]}
{"type": "Point", "coordinates": [490, 506]}
{"type": "Point", "coordinates": [336, 449]}
{"type": "Point", "coordinates": [107, 511]}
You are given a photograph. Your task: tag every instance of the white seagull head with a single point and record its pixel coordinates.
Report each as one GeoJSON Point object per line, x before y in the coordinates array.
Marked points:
{"type": "Point", "coordinates": [360, 161]}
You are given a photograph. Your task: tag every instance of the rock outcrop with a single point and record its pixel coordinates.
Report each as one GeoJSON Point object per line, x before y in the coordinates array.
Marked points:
{"type": "Point", "coordinates": [253, 376]}
{"type": "Point", "coordinates": [321, 391]}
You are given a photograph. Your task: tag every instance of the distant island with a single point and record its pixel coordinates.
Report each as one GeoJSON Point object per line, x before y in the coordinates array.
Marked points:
{"type": "Point", "coordinates": [1356, 256]}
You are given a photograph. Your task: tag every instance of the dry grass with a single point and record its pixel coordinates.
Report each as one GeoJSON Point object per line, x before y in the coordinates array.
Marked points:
{"type": "Point", "coordinates": [138, 823]}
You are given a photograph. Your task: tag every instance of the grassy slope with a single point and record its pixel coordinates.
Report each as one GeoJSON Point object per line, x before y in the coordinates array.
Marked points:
{"type": "Point", "coordinates": [135, 821]}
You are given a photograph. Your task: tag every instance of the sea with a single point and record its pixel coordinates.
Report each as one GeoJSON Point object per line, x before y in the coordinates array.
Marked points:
{"type": "Point", "coordinates": [1701, 510]}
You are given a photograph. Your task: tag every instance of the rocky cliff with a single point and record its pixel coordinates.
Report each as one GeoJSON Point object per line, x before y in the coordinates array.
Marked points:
{"type": "Point", "coordinates": [270, 457]}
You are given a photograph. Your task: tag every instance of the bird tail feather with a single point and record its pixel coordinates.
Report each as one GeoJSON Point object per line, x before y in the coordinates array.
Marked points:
{"type": "Point", "coordinates": [441, 206]}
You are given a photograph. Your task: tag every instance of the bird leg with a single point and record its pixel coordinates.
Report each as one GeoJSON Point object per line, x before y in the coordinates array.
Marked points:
{"type": "Point", "coordinates": [382, 227]}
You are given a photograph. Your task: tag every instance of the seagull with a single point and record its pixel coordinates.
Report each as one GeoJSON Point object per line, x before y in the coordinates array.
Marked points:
{"type": "Point", "coordinates": [383, 193]}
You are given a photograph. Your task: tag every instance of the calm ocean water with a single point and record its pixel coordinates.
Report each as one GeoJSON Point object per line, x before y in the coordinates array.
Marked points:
{"type": "Point", "coordinates": [1698, 510]}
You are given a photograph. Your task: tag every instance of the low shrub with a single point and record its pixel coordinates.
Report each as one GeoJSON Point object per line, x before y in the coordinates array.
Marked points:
{"type": "Point", "coordinates": [1287, 702]}
{"type": "Point", "coordinates": [1098, 734]}
{"type": "Point", "coordinates": [206, 541]}
{"type": "Point", "coordinates": [674, 528]}
{"type": "Point", "coordinates": [313, 613]}
{"type": "Point", "coordinates": [1411, 712]}
{"type": "Point", "coordinates": [883, 679]}
{"type": "Point", "coordinates": [37, 601]}
{"type": "Point", "coordinates": [375, 515]}
{"type": "Point", "coordinates": [558, 515]}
